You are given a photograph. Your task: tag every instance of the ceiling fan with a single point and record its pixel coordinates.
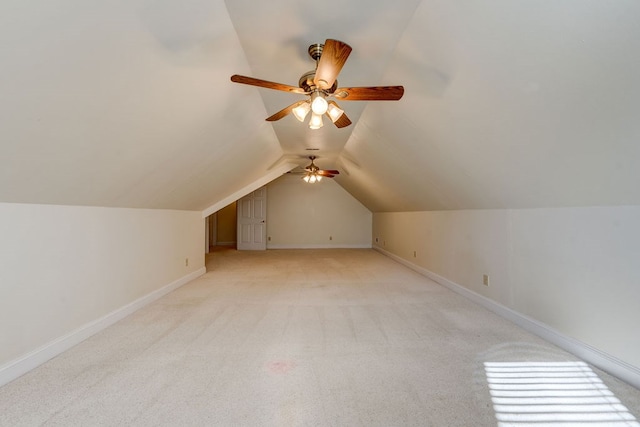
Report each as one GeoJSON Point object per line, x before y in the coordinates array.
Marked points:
{"type": "Point", "coordinates": [313, 173]}
{"type": "Point", "coordinates": [320, 84]}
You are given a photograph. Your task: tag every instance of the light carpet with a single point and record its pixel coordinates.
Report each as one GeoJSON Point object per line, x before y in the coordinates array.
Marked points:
{"type": "Point", "coordinates": [289, 338]}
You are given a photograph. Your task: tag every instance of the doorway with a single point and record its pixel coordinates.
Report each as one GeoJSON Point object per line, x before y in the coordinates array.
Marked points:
{"type": "Point", "coordinates": [222, 227]}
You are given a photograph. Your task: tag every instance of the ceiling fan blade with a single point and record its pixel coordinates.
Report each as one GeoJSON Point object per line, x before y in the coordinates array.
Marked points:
{"type": "Point", "coordinates": [280, 114]}
{"type": "Point", "coordinates": [266, 84]}
{"type": "Point", "coordinates": [329, 173]}
{"type": "Point", "coordinates": [334, 55]}
{"type": "Point", "coordinates": [342, 121]}
{"type": "Point", "coordinates": [375, 93]}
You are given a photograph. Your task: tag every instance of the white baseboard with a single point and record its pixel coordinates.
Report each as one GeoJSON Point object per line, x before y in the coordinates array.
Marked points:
{"type": "Point", "coordinates": [29, 361]}
{"type": "Point", "coordinates": [317, 246]}
{"type": "Point", "coordinates": [604, 361]}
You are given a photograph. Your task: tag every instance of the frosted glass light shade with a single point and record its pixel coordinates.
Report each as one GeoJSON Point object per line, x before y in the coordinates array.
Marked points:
{"type": "Point", "coordinates": [301, 111]}
{"type": "Point", "coordinates": [316, 121]}
{"type": "Point", "coordinates": [319, 105]}
{"type": "Point", "coordinates": [334, 112]}
{"type": "Point", "coordinates": [312, 178]}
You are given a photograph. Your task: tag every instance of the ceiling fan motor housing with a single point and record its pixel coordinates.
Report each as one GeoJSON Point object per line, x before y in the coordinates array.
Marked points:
{"type": "Point", "coordinates": [306, 83]}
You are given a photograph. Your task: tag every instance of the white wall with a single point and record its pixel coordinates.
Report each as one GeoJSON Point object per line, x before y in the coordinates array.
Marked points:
{"type": "Point", "coordinates": [302, 215]}
{"type": "Point", "coordinates": [63, 267]}
{"type": "Point", "coordinates": [576, 270]}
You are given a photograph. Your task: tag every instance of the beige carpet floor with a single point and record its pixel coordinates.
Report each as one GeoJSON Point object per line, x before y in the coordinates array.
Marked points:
{"type": "Point", "coordinates": [299, 338]}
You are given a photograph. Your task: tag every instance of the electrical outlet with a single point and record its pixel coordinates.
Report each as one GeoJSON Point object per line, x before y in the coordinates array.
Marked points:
{"type": "Point", "coordinates": [186, 262]}
{"type": "Point", "coordinates": [485, 279]}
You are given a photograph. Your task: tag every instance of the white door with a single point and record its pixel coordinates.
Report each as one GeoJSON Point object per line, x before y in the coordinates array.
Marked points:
{"type": "Point", "coordinates": [252, 221]}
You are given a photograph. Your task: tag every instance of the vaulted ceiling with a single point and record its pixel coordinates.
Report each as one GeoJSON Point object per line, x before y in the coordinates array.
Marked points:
{"type": "Point", "coordinates": [507, 104]}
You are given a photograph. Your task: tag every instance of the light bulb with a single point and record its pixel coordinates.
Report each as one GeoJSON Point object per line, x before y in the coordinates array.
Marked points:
{"type": "Point", "coordinates": [301, 111]}
{"type": "Point", "coordinates": [306, 178]}
{"type": "Point", "coordinates": [319, 105]}
{"type": "Point", "coordinates": [334, 112]}
{"type": "Point", "coordinates": [316, 121]}
{"type": "Point", "coordinates": [318, 178]}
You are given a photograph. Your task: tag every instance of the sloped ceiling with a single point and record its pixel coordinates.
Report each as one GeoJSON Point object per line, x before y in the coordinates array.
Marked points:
{"type": "Point", "coordinates": [507, 104]}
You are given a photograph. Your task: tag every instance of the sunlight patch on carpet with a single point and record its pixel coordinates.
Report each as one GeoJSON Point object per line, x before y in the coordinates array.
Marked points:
{"type": "Point", "coordinates": [550, 394]}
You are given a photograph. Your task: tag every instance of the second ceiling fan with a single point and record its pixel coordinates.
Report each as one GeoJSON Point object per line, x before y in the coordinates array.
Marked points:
{"type": "Point", "coordinates": [320, 84]}
{"type": "Point", "coordinates": [313, 173]}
